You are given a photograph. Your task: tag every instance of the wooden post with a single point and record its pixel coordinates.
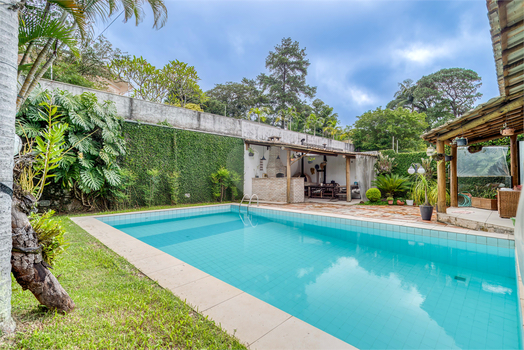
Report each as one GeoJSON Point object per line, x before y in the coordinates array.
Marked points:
{"type": "Point", "coordinates": [453, 178]}
{"type": "Point", "coordinates": [289, 176]}
{"type": "Point", "coordinates": [441, 179]}
{"type": "Point", "coordinates": [348, 180]}
{"type": "Point", "coordinates": [514, 161]}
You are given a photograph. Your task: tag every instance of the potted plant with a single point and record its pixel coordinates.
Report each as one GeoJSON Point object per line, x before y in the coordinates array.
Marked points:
{"type": "Point", "coordinates": [400, 201]}
{"type": "Point", "coordinates": [410, 200]}
{"type": "Point", "coordinates": [390, 200]}
{"type": "Point", "coordinates": [507, 131]}
{"type": "Point", "coordinates": [461, 141]}
{"type": "Point", "coordinates": [426, 209]}
{"type": "Point", "coordinates": [310, 159]}
{"type": "Point", "coordinates": [251, 151]}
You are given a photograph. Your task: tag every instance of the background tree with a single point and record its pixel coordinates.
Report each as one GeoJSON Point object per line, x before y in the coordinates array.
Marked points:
{"type": "Point", "coordinates": [182, 80]}
{"type": "Point", "coordinates": [286, 83]}
{"type": "Point", "coordinates": [145, 80]}
{"type": "Point", "coordinates": [90, 68]}
{"type": "Point", "coordinates": [314, 122]}
{"type": "Point", "coordinates": [442, 96]}
{"type": "Point", "coordinates": [374, 130]}
{"type": "Point", "coordinates": [238, 98]}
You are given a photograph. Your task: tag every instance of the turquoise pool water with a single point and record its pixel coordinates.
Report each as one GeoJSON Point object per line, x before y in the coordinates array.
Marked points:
{"type": "Point", "coordinates": [373, 288]}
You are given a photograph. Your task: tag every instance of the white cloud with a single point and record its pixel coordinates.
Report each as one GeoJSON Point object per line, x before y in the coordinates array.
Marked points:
{"type": "Point", "coordinates": [424, 53]}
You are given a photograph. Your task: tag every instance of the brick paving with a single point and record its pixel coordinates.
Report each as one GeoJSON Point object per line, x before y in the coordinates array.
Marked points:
{"type": "Point", "coordinates": [394, 213]}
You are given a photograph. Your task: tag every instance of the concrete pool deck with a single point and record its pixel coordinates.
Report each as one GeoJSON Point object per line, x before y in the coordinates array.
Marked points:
{"type": "Point", "coordinates": [254, 322]}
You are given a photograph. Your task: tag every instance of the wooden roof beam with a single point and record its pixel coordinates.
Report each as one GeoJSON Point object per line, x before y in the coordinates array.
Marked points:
{"type": "Point", "coordinates": [479, 121]}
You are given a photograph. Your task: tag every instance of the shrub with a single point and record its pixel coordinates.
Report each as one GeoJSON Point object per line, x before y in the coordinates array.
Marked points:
{"type": "Point", "coordinates": [373, 194]}
{"type": "Point", "coordinates": [222, 180]}
{"type": "Point", "coordinates": [391, 184]}
{"type": "Point", "coordinates": [50, 235]}
{"type": "Point", "coordinates": [384, 164]}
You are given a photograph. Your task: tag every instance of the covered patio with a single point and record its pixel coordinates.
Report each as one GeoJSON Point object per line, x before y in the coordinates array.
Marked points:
{"type": "Point", "coordinates": [502, 116]}
{"type": "Point", "coordinates": [293, 173]}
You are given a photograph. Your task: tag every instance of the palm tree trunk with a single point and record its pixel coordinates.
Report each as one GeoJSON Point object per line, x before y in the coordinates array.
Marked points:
{"type": "Point", "coordinates": [8, 86]}
{"type": "Point", "coordinates": [22, 94]}
{"type": "Point", "coordinates": [27, 264]}
{"type": "Point", "coordinates": [42, 71]}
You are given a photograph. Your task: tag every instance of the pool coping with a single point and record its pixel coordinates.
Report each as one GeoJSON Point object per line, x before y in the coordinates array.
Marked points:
{"type": "Point", "coordinates": [254, 322]}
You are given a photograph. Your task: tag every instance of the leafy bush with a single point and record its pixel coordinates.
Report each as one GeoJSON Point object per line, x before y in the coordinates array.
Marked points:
{"type": "Point", "coordinates": [174, 186]}
{"type": "Point", "coordinates": [390, 184]}
{"type": "Point", "coordinates": [50, 235]}
{"type": "Point", "coordinates": [373, 194]}
{"type": "Point", "coordinates": [384, 164]}
{"type": "Point", "coordinates": [94, 137]}
{"type": "Point", "coordinates": [222, 180]}
{"type": "Point", "coordinates": [151, 187]}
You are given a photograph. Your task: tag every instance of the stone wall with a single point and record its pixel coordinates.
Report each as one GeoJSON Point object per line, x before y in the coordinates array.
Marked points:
{"type": "Point", "coordinates": [182, 118]}
{"type": "Point", "coordinates": [275, 189]}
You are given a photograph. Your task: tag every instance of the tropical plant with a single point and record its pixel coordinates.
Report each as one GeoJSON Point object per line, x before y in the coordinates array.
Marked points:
{"type": "Point", "coordinates": [426, 164]}
{"type": "Point", "coordinates": [261, 113]}
{"type": "Point", "coordinates": [390, 184]}
{"type": "Point", "coordinates": [425, 191]}
{"type": "Point", "coordinates": [174, 186]}
{"type": "Point", "coordinates": [123, 193]}
{"type": "Point", "coordinates": [332, 128]}
{"type": "Point", "coordinates": [151, 188]}
{"type": "Point", "coordinates": [222, 180]}
{"type": "Point", "coordinates": [373, 194]}
{"type": "Point", "coordinates": [313, 122]}
{"type": "Point", "coordinates": [384, 164]}
{"type": "Point", "coordinates": [50, 233]}
{"type": "Point", "coordinates": [94, 140]}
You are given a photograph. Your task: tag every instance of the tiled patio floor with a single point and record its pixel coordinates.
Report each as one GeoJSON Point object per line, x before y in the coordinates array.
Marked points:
{"type": "Point", "coordinates": [394, 213]}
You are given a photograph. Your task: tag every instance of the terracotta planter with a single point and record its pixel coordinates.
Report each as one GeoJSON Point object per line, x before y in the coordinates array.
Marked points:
{"type": "Point", "coordinates": [399, 202]}
{"type": "Point", "coordinates": [507, 132]}
{"type": "Point", "coordinates": [390, 202]}
{"type": "Point", "coordinates": [484, 203]}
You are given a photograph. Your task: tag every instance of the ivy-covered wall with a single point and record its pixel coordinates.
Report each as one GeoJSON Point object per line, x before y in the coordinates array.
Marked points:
{"type": "Point", "coordinates": [195, 155]}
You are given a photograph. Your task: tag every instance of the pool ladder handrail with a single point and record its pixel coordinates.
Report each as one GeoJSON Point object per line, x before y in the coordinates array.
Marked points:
{"type": "Point", "coordinates": [250, 199]}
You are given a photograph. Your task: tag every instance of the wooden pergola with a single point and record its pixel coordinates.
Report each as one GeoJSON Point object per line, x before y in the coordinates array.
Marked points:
{"type": "Point", "coordinates": [486, 121]}
{"type": "Point", "coordinates": [306, 149]}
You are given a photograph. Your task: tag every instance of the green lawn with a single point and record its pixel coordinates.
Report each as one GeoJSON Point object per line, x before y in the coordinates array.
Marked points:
{"type": "Point", "coordinates": [117, 307]}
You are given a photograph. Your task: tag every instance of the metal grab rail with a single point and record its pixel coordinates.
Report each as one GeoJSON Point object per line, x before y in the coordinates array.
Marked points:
{"type": "Point", "coordinates": [242, 202]}
{"type": "Point", "coordinates": [250, 199]}
{"type": "Point", "coordinates": [254, 194]}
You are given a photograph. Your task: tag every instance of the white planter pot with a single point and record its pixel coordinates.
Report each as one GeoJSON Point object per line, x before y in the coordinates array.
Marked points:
{"type": "Point", "coordinates": [409, 201]}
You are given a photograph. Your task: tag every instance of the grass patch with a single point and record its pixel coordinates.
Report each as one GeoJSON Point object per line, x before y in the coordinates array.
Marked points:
{"type": "Point", "coordinates": [117, 307]}
{"type": "Point", "coordinates": [158, 207]}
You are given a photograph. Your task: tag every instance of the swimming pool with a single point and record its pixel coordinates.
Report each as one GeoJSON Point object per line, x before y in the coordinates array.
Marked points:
{"type": "Point", "coordinates": [370, 284]}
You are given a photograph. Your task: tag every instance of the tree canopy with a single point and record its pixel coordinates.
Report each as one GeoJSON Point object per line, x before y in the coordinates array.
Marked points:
{"type": "Point", "coordinates": [374, 130]}
{"type": "Point", "coordinates": [442, 96]}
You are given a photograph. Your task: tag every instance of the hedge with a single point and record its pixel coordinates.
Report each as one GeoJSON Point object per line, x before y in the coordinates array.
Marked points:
{"type": "Point", "coordinates": [195, 155]}
{"type": "Point", "coordinates": [404, 160]}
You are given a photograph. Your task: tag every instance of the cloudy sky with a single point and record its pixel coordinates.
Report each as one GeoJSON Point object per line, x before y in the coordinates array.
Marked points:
{"type": "Point", "coordinates": [358, 50]}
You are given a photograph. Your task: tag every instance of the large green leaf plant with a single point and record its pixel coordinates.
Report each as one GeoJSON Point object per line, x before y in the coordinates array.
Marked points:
{"type": "Point", "coordinates": [93, 137]}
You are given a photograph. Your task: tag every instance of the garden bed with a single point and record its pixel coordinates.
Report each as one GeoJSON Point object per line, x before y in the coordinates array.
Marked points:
{"type": "Point", "coordinates": [116, 307]}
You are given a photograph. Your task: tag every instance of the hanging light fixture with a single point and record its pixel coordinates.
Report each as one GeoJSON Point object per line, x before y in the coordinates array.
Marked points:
{"type": "Point", "coordinates": [421, 171]}
{"type": "Point", "coordinates": [430, 151]}
{"type": "Point", "coordinates": [411, 170]}
{"type": "Point", "coordinates": [263, 152]}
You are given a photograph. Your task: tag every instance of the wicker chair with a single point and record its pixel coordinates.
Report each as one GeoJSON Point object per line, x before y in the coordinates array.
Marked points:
{"type": "Point", "coordinates": [508, 201]}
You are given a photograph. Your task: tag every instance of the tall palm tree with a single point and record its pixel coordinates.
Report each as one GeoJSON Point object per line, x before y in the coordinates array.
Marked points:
{"type": "Point", "coordinates": [77, 12]}
{"type": "Point", "coordinates": [313, 122]}
{"type": "Point", "coordinates": [8, 69]}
